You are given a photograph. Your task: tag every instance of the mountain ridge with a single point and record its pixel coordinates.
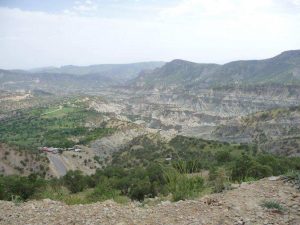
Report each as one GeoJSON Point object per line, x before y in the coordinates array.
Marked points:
{"type": "Point", "coordinates": [283, 68]}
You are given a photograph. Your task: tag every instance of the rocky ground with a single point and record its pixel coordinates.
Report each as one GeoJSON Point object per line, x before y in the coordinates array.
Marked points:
{"type": "Point", "coordinates": [235, 207]}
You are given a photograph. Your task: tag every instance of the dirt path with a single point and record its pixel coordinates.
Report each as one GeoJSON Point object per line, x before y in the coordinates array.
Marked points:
{"type": "Point", "coordinates": [236, 207]}
{"type": "Point", "coordinates": [58, 165]}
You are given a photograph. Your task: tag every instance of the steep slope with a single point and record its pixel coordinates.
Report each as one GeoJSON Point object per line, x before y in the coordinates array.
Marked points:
{"type": "Point", "coordinates": [281, 69]}
{"type": "Point", "coordinates": [14, 162]}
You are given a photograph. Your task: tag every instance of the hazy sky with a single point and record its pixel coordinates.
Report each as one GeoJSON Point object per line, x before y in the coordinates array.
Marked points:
{"type": "Point", "coordinates": [37, 33]}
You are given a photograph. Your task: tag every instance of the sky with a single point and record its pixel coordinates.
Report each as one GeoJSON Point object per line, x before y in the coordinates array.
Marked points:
{"type": "Point", "coordinates": [40, 33]}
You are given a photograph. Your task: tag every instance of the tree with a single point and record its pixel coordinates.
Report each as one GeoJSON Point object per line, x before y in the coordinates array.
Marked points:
{"type": "Point", "coordinates": [139, 189]}
{"type": "Point", "coordinates": [223, 156]}
{"type": "Point", "coordinates": [241, 166]}
{"type": "Point", "coordinates": [75, 181]}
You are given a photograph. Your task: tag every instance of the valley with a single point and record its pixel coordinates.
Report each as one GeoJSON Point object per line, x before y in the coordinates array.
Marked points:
{"type": "Point", "coordinates": [165, 131]}
{"type": "Point", "coordinates": [150, 112]}
{"type": "Point", "coordinates": [178, 98]}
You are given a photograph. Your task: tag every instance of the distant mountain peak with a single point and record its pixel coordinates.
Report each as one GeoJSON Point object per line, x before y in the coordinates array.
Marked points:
{"type": "Point", "coordinates": [288, 54]}
{"type": "Point", "coordinates": [179, 61]}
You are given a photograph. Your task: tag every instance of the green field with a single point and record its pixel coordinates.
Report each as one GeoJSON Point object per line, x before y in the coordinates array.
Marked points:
{"type": "Point", "coordinates": [58, 112]}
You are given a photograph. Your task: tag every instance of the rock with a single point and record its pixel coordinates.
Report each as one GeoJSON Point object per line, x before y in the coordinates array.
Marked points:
{"type": "Point", "coordinates": [234, 186]}
{"type": "Point", "coordinates": [165, 203]}
{"type": "Point", "coordinates": [273, 178]}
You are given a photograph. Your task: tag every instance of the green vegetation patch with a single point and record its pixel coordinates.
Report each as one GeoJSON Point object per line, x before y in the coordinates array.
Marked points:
{"type": "Point", "coordinates": [31, 129]}
{"type": "Point", "coordinates": [272, 204]}
{"type": "Point", "coordinates": [58, 111]}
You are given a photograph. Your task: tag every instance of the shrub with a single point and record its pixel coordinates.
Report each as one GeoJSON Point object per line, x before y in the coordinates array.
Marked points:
{"type": "Point", "coordinates": [219, 179]}
{"type": "Point", "coordinates": [278, 165]}
{"type": "Point", "coordinates": [103, 191]}
{"type": "Point", "coordinates": [240, 167]}
{"type": "Point", "coordinates": [23, 187]}
{"type": "Point", "coordinates": [53, 192]}
{"type": "Point", "coordinates": [181, 186]}
{"type": "Point", "coordinates": [75, 181]}
{"type": "Point", "coordinates": [223, 156]}
{"type": "Point", "coordinates": [139, 189]}
{"type": "Point", "coordinates": [190, 166]}
{"type": "Point", "coordinates": [259, 171]}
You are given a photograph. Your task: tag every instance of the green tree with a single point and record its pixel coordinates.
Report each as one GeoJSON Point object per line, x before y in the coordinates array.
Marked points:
{"type": "Point", "coordinates": [75, 181]}
{"type": "Point", "coordinates": [241, 166]}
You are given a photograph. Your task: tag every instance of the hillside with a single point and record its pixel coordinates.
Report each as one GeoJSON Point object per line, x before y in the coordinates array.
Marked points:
{"type": "Point", "coordinates": [274, 130]}
{"type": "Point", "coordinates": [281, 69]}
{"type": "Point", "coordinates": [241, 206]}
{"type": "Point", "coordinates": [21, 162]}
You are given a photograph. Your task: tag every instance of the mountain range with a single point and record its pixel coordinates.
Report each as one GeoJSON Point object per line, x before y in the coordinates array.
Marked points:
{"type": "Point", "coordinates": [281, 69]}
{"type": "Point", "coordinates": [73, 78]}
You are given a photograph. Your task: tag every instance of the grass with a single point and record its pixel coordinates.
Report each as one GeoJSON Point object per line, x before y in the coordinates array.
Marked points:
{"type": "Point", "coordinates": [272, 204]}
{"type": "Point", "coordinates": [16, 199]}
{"type": "Point", "coordinates": [62, 194]}
{"type": "Point", "coordinates": [58, 112]}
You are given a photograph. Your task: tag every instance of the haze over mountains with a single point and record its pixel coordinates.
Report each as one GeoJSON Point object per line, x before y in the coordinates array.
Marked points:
{"type": "Point", "coordinates": [117, 71]}
{"type": "Point", "coordinates": [282, 69]}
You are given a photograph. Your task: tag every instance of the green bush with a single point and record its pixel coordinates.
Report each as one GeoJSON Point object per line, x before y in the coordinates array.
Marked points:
{"type": "Point", "coordinates": [140, 188]}
{"type": "Point", "coordinates": [53, 192]}
{"type": "Point", "coordinates": [181, 186]}
{"type": "Point", "coordinates": [240, 167]}
{"type": "Point", "coordinates": [75, 181]}
{"type": "Point", "coordinates": [223, 156]}
{"type": "Point", "coordinates": [24, 187]}
{"type": "Point", "coordinates": [103, 191]}
{"type": "Point", "coordinates": [259, 171]}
